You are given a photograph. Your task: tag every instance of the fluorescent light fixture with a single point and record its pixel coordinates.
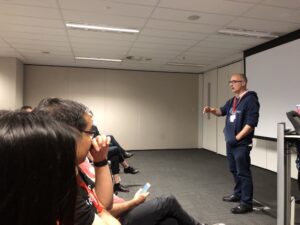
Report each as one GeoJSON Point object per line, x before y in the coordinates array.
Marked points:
{"type": "Point", "coordinates": [185, 64]}
{"type": "Point", "coordinates": [101, 28]}
{"type": "Point", "coordinates": [248, 33]}
{"type": "Point", "coordinates": [99, 59]}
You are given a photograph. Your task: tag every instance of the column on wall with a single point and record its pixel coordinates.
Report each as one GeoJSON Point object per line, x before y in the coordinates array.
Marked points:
{"type": "Point", "coordinates": [11, 83]}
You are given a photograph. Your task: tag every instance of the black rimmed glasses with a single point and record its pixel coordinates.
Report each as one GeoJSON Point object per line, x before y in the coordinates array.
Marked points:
{"type": "Point", "coordinates": [234, 81]}
{"type": "Point", "coordinates": [91, 133]}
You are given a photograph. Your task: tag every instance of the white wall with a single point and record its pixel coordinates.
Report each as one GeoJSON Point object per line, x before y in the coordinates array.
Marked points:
{"type": "Point", "coordinates": [264, 153]}
{"type": "Point", "coordinates": [143, 110]}
{"type": "Point", "coordinates": [11, 83]}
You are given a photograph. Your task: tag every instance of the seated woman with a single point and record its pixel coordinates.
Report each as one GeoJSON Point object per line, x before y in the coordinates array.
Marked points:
{"type": "Point", "coordinates": [116, 156]}
{"type": "Point", "coordinates": [163, 210]}
{"type": "Point", "coordinates": [37, 170]}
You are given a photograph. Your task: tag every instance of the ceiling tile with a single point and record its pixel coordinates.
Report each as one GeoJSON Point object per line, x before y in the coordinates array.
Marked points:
{"type": "Point", "coordinates": [292, 4]}
{"type": "Point", "coordinates": [52, 52]}
{"type": "Point", "coordinates": [167, 41]}
{"type": "Point", "coordinates": [177, 26]}
{"type": "Point", "coordinates": [263, 25]}
{"type": "Point", "coordinates": [246, 1]}
{"type": "Point", "coordinates": [23, 41]}
{"type": "Point", "coordinates": [194, 59]}
{"type": "Point", "coordinates": [210, 6]}
{"type": "Point", "coordinates": [3, 44]}
{"type": "Point", "coordinates": [49, 60]}
{"type": "Point", "coordinates": [235, 39]}
{"type": "Point", "coordinates": [158, 46]}
{"type": "Point", "coordinates": [101, 35]}
{"type": "Point", "coordinates": [44, 3]}
{"type": "Point", "coordinates": [33, 36]}
{"type": "Point", "coordinates": [140, 52]}
{"type": "Point", "coordinates": [31, 21]}
{"type": "Point", "coordinates": [274, 13]}
{"type": "Point", "coordinates": [138, 2]}
{"type": "Point", "coordinates": [99, 43]}
{"type": "Point", "coordinates": [29, 11]}
{"type": "Point", "coordinates": [103, 19]}
{"type": "Point", "coordinates": [182, 16]}
{"type": "Point", "coordinates": [31, 29]}
{"type": "Point", "coordinates": [222, 45]}
{"type": "Point", "coordinates": [103, 53]}
{"type": "Point", "coordinates": [107, 7]}
{"type": "Point", "coordinates": [173, 34]}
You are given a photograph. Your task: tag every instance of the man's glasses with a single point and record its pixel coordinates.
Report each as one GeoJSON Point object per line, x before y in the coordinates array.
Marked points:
{"type": "Point", "coordinates": [234, 81]}
{"type": "Point", "coordinates": [91, 133]}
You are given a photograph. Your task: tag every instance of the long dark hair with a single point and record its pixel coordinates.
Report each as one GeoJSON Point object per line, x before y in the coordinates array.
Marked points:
{"type": "Point", "coordinates": [37, 170]}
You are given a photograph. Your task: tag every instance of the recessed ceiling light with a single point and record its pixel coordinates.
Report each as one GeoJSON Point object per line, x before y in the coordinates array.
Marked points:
{"type": "Point", "coordinates": [185, 64]}
{"type": "Point", "coordinates": [248, 33]}
{"type": "Point", "coordinates": [193, 17]}
{"type": "Point", "coordinates": [98, 59]}
{"type": "Point", "coordinates": [101, 28]}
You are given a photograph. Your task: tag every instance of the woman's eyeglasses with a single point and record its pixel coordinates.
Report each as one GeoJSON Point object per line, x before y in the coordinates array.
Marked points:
{"type": "Point", "coordinates": [91, 133]}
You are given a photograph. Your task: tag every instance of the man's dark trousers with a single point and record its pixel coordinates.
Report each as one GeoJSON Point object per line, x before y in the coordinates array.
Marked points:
{"type": "Point", "coordinates": [239, 165]}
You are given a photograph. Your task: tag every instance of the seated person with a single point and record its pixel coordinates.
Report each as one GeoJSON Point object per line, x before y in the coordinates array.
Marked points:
{"type": "Point", "coordinates": [37, 170]}
{"type": "Point", "coordinates": [91, 203]}
{"type": "Point", "coordinates": [87, 210]}
{"type": "Point", "coordinates": [161, 210]}
{"type": "Point", "coordinates": [113, 142]}
{"type": "Point", "coordinates": [116, 157]}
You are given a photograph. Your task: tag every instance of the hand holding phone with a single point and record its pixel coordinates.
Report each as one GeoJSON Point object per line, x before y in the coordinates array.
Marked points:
{"type": "Point", "coordinates": [146, 187]}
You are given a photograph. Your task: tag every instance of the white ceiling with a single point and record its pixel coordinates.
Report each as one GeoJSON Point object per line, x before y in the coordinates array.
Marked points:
{"type": "Point", "coordinates": [30, 27]}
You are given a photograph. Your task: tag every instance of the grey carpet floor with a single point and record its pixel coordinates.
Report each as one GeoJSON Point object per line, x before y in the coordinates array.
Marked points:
{"type": "Point", "coordinates": [199, 179]}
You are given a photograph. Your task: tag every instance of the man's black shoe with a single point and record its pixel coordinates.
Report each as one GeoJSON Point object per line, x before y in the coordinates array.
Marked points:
{"type": "Point", "coordinates": [231, 198]}
{"type": "Point", "coordinates": [119, 187]}
{"type": "Point", "coordinates": [241, 208]}
{"type": "Point", "coordinates": [128, 154]}
{"type": "Point", "coordinates": [131, 170]}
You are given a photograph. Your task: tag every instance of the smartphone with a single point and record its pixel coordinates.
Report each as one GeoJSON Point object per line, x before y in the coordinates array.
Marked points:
{"type": "Point", "coordinates": [146, 188]}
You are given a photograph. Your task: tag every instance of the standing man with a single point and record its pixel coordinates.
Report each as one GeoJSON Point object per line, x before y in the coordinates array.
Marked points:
{"type": "Point", "coordinates": [242, 112]}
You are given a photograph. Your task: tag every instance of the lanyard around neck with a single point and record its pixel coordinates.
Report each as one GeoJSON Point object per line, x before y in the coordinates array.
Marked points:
{"type": "Point", "coordinates": [235, 102]}
{"type": "Point", "coordinates": [92, 196]}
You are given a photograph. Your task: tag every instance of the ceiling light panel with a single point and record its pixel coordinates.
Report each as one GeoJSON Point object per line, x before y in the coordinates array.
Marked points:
{"type": "Point", "coordinates": [97, 59]}
{"type": "Point", "coordinates": [101, 28]}
{"type": "Point", "coordinates": [185, 64]}
{"type": "Point", "coordinates": [248, 33]}
{"type": "Point", "coordinates": [234, 39]}
{"type": "Point", "coordinates": [265, 25]}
